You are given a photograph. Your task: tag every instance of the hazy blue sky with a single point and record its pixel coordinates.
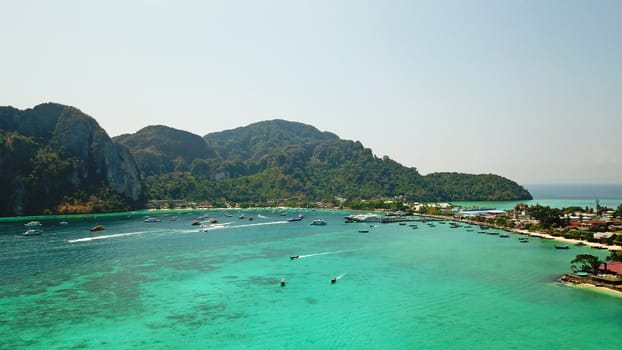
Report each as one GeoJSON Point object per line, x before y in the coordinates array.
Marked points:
{"type": "Point", "coordinates": [530, 90]}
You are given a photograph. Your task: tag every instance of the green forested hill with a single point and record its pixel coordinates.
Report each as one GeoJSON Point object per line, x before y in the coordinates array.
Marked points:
{"type": "Point", "coordinates": [160, 149]}
{"type": "Point", "coordinates": [56, 159]}
{"type": "Point", "coordinates": [278, 160]}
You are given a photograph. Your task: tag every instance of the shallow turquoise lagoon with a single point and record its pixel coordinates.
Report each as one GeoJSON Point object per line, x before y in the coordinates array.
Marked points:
{"type": "Point", "coordinates": [165, 285]}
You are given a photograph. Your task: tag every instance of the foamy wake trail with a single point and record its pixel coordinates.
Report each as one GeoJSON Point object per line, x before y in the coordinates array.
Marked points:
{"type": "Point", "coordinates": [88, 239]}
{"type": "Point", "coordinates": [340, 276]}
{"type": "Point", "coordinates": [325, 253]}
{"type": "Point", "coordinates": [259, 224]}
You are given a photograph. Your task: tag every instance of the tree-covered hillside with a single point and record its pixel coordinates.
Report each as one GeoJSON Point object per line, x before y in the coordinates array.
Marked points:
{"type": "Point", "coordinates": [160, 149]}
{"type": "Point", "coordinates": [56, 159]}
{"type": "Point", "coordinates": [277, 161]}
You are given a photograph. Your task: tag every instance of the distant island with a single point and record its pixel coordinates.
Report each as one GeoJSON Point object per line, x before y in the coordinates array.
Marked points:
{"type": "Point", "coordinates": [57, 160]}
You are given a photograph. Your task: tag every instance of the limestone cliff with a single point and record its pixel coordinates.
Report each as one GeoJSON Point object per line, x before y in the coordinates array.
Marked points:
{"type": "Point", "coordinates": [54, 158]}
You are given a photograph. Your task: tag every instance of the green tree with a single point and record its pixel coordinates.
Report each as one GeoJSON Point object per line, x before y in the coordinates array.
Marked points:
{"type": "Point", "coordinates": [586, 263]}
{"type": "Point", "coordinates": [615, 256]}
{"type": "Point", "coordinates": [547, 216]}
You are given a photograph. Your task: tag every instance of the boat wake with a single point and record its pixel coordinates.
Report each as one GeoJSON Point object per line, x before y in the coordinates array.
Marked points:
{"type": "Point", "coordinates": [340, 276]}
{"type": "Point", "coordinates": [260, 224]}
{"type": "Point", "coordinates": [217, 226]}
{"type": "Point", "coordinates": [325, 253]}
{"type": "Point", "coordinates": [88, 239]}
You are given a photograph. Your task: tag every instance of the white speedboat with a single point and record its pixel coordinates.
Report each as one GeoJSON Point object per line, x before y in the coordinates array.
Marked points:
{"type": "Point", "coordinates": [33, 224]}
{"type": "Point", "coordinates": [32, 232]}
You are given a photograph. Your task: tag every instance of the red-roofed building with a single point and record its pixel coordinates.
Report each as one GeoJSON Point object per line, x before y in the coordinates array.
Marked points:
{"type": "Point", "coordinates": [613, 267]}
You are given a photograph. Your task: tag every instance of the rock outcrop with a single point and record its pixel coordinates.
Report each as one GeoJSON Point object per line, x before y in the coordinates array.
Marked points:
{"type": "Point", "coordinates": [54, 156]}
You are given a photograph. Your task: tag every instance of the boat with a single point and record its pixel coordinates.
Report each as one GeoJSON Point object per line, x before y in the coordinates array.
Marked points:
{"type": "Point", "coordinates": [242, 217]}
{"type": "Point", "coordinates": [294, 257]}
{"type": "Point", "coordinates": [32, 224]}
{"type": "Point", "coordinates": [363, 231]}
{"type": "Point", "coordinates": [503, 235]}
{"type": "Point", "coordinates": [196, 223]}
{"type": "Point", "coordinates": [97, 228]}
{"type": "Point", "coordinates": [204, 227]}
{"type": "Point", "coordinates": [523, 239]}
{"type": "Point", "coordinates": [63, 223]}
{"type": "Point", "coordinates": [580, 243]}
{"type": "Point", "coordinates": [294, 219]}
{"type": "Point", "coordinates": [32, 232]}
{"type": "Point", "coordinates": [363, 218]}
{"type": "Point", "coordinates": [151, 219]}
{"type": "Point", "coordinates": [562, 247]}
{"type": "Point", "coordinates": [318, 222]}
{"type": "Point", "coordinates": [282, 282]}
{"type": "Point", "coordinates": [333, 280]}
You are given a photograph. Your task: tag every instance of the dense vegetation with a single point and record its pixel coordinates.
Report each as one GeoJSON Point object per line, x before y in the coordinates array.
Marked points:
{"type": "Point", "coordinates": [55, 159]}
{"type": "Point", "coordinates": [281, 162]}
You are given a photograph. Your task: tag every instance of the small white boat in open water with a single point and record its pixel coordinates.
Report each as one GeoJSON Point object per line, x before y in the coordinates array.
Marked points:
{"type": "Point", "coordinates": [32, 232]}
{"type": "Point", "coordinates": [32, 224]}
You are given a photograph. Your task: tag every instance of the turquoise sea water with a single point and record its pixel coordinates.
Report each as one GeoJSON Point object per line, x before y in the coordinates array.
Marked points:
{"type": "Point", "coordinates": [167, 286]}
{"type": "Point", "coordinates": [562, 195]}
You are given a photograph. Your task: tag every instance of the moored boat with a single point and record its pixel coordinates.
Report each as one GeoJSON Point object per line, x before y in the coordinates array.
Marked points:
{"type": "Point", "coordinates": [562, 247]}
{"type": "Point", "coordinates": [318, 222]}
{"type": "Point", "coordinates": [363, 218]}
{"type": "Point", "coordinates": [97, 228]}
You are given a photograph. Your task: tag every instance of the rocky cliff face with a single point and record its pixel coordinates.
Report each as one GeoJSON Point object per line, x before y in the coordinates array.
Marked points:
{"type": "Point", "coordinates": [55, 156]}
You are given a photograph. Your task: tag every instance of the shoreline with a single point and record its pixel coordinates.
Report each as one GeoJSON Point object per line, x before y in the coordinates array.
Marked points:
{"type": "Point", "coordinates": [594, 245]}
{"type": "Point", "coordinates": [588, 282]}
{"type": "Point", "coordinates": [594, 288]}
